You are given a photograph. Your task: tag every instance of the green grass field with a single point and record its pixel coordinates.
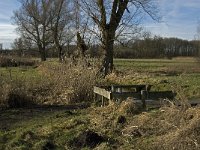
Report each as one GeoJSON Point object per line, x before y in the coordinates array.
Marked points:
{"type": "Point", "coordinates": [183, 73]}
{"type": "Point", "coordinates": [177, 65]}
{"type": "Point", "coordinates": [57, 127]}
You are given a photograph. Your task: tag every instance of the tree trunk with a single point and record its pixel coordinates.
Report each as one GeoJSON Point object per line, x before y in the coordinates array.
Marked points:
{"type": "Point", "coordinates": [108, 58]}
{"type": "Point", "coordinates": [60, 53]}
{"type": "Point", "coordinates": [108, 48]}
{"type": "Point", "coordinates": [42, 53]}
{"type": "Point", "coordinates": [81, 45]}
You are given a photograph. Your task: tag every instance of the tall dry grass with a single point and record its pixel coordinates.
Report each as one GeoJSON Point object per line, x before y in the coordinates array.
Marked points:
{"type": "Point", "coordinates": [23, 92]}
{"type": "Point", "coordinates": [57, 83]}
{"type": "Point", "coordinates": [71, 83]}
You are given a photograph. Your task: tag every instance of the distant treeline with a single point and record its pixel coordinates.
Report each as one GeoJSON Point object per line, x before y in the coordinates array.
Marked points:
{"type": "Point", "coordinates": [156, 47]}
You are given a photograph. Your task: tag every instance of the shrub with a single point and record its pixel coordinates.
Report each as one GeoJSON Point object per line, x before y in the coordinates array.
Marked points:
{"type": "Point", "coordinates": [70, 83]}
{"type": "Point", "coordinates": [56, 83]}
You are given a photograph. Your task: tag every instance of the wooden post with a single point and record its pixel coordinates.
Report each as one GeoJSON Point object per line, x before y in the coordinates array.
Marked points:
{"type": "Point", "coordinates": [10, 73]}
{"type": "Point", "coordinates": [112, 88]}
{"type": "Point", "coordinates": [119, 89]}
{"type": "Point", "coordinates": [95, 97]}
{"type": "Point", "coordinates": [102, 101]}
{"type": "Point", "coordinates": [143, 98]}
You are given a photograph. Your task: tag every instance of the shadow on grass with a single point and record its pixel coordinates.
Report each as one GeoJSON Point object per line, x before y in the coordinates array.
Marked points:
{"type": "Point", "coordinates": [11, 118]}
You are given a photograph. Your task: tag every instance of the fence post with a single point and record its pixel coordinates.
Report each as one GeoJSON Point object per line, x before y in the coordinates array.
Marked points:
{"type": "Point", "coordinates": [102, 101]}
{"type": "Point", "coordinates": [112, 88]}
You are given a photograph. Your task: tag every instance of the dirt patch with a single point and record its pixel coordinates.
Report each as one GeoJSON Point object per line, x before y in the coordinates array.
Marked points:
{"type": "Point", "coordinates": [87, 139]}
{"type": "Point", "coordinates": [48, 146]}
{"type": "Point", "coordinates": [121, 119]}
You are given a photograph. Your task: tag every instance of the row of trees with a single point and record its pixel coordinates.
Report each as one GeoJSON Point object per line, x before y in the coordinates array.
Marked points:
{"type": "Point", "coordinates": [56, 23]}
{"type": "Point", "coordinates": [158, 47]}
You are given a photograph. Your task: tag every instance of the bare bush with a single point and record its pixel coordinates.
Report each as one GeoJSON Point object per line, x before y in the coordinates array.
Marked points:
{"type": "Point", "coordinates": [70, 83]}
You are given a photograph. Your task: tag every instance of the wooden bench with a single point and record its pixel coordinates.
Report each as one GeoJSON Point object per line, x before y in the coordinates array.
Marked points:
{"type": "Point", "coordinates": [122, 92]}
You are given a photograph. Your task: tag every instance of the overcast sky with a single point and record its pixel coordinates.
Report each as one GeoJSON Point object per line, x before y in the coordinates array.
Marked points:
{"type": "Point", "coordinates": [179, 19]}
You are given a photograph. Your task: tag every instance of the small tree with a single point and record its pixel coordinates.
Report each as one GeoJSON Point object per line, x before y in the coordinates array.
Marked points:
{"type": "Point", "coordinates": [61, 21]}
{"type": "Point", "coordinates": [81, 24]}
{"type": "Point", "coordinates": [18, 45]}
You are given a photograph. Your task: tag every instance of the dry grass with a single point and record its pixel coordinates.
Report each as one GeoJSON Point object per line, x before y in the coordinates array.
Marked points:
{"type": "Point", "coordinates": [48, 84]}
{"type": "Point", "coordinates": [184, 132]}
{"type": "Point", "coordinates": [23, 92]}
{"type": "Point", "coordinates": [170, 127]}
{"type": "Point", "coordinates": [70, 83]}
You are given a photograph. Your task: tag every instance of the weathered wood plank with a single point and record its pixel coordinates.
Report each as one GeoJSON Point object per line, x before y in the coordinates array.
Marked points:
{"type": "Point", "coordinates": [102, 92]}
{"type": "Point", "coordinates": [130, 88]}
{"type": "Point", "coordinates": [139, 92]}
{"type": "Point", "coordinates": [124, 96]}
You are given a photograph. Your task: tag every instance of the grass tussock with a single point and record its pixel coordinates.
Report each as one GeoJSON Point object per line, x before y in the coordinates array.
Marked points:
{"type": "Point", "coordinates": [184, 132]}
{"type": "Point", "coordinates": [167, 128]}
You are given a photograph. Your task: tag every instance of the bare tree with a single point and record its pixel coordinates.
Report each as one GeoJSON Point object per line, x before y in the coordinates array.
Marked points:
{"type": "Point", "coordinates": [33, 21]}
{"type": "Point", "coordinates": [114, 19]}
{"type": "Point", "coordinates": [18, 45]}
{"type": "Point", "coordinates": [80, 25]}
{"type": "Point", "coordinates": [22, 45]}
{"type": "Point", "coordinates": [61, 22]}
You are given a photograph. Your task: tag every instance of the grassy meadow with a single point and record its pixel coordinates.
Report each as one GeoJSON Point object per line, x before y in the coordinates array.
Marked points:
{"type": "Point", "coordinates": [182, 74]}
{"type": "Point", "coordinates": [49, 106]}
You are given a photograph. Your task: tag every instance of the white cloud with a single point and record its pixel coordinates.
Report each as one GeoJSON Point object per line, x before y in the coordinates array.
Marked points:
{"type": "Point", "coordinates": [180, 19]}
{"type": "Point", "coordinates": [7, 31]}
{"type": "Point", "coordinates": [172, 30]}
{"type": "Point", "coordinates": [7, 34]}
